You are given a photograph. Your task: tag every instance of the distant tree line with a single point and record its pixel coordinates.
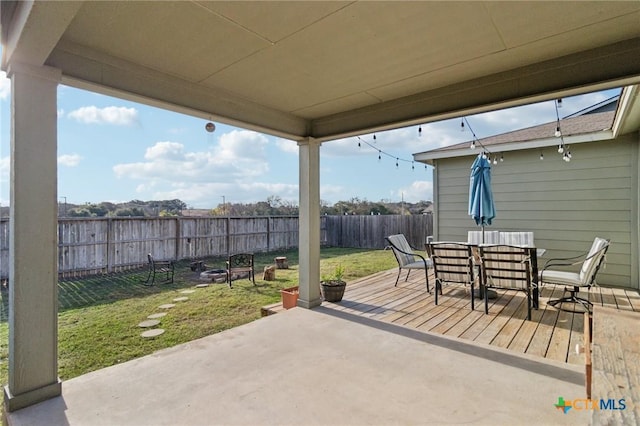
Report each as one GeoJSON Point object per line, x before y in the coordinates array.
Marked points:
{"type": "Point", "coordinates": [272, 206]}
{"type": "Point", "coordinates": [129, 209]}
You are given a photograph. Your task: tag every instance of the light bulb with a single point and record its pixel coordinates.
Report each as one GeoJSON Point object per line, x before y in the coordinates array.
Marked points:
{"type": "Point", "coordinates": [495, 160]}
{"type": "Point", "coordinates": [569, 154]}
{"type": "Point", "coordinates": [560, 103]}
{"type": "Point", "coordinates": [560, 149]}
{"type": "Point", "coordinates": [501, 158]}
{"type": "Point", "coordinates": [473, 145]}
{"type": "Point", "coordinates": [462, 126]}
{"type": "Point", "coordinates": [541, 156]}
{"type": "Point", "coordinates": [558, 132]}
{"type": "Point", "coordinates": [420, 131]}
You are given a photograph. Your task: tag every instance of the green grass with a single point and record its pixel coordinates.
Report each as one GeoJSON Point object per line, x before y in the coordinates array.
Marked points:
{"type": "Point", "coordinates": [98, 316]}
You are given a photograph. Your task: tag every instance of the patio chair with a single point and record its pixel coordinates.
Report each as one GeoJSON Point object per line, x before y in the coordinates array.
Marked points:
{"type": "Point", "coordinates": [452, 263]}
{"type": "Point", "coordinates": [522, 239]}
{"type": "Point", "coordinates": [507, 268]}
{"type": "Point", "coordinates": [240, 264]}
{"type": "Point", "coordinates": [574, 281]}
{"type": "Point", "coordinates": [408, 258]}
{"type": "Point", "coordinates": [166, 267]}
{"type": "Point", "coordinates": [483, 237]}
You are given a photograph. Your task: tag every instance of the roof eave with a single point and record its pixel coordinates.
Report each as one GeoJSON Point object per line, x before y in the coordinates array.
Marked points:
{"type": "Point", "coordinates": [429, 157]}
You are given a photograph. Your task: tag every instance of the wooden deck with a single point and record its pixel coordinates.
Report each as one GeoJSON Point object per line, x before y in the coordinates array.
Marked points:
{"type": "Point", "coordinates": [551, 333]}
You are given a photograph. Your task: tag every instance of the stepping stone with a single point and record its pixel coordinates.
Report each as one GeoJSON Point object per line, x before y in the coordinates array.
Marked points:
{"type": "Point", "coordinates": [149, 323]}
{"type": "Point", "coordinates": [152, 333]}
{"type": "Point", "coordinates": [187, 291]}
{"type": "Point", "coordinates": [167, 306]}
{"type": "Point", "coordinates": [154, 316]}
{"type": "Point", "coordinates": [202, 285]}
{"type": "Point", "coordinates": [180, 299]}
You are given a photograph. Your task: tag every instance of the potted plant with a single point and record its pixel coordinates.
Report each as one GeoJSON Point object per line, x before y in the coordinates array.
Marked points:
{"type": "Point", "coordinates": [333, 285]}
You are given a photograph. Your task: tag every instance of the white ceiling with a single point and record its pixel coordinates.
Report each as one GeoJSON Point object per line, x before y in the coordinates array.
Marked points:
{"type": "Point", "coordinates": [329, 69]}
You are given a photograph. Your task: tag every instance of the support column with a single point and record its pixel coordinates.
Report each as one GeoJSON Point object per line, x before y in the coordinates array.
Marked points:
{"type": "Point", "coordinates": [309, 226]}
{"type": "Point", "coordinates": [33, 240]}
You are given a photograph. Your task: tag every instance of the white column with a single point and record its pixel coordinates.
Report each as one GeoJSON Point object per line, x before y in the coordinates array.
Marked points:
{"type": "Point", "coordinates": [33, 240]}
{"type": "Point", "coordinates": [309, 226]}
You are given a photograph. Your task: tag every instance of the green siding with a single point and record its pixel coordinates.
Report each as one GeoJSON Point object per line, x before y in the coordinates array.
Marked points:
{"type": "Point", "coordinates": [566, 205]}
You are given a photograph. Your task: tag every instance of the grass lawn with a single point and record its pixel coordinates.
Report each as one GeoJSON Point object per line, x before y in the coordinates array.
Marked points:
{"type": "Point", "coordinates": [98, 316]}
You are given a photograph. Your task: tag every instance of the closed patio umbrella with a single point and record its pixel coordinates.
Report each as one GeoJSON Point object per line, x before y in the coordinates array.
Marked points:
{"type": "Point", "coordinates": [481, 206]}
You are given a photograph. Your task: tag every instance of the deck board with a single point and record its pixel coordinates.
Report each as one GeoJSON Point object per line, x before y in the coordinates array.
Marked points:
{"type": "Point", "coordinates": [550, 333]}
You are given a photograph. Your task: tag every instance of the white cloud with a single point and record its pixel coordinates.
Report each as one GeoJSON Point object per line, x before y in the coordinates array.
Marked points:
{"type": "Point", "coordinates": [418, 190]}
{"type": "Point", "coordinates": [287, 146]}
{"type": "Point", "coordinates": [207, 194]}
{"type": "Point", "coordinates": [119, 116]}
{"type": "Point", "coordinates": [69, 160]}
{"type": "Point", "coordinates": [332, 192]}
{"type": "Point", "coordinates": [234, 167]}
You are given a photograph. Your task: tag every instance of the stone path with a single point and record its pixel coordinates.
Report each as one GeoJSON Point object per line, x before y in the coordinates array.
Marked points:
{"type": "Point", "coordinates": [153, 319]}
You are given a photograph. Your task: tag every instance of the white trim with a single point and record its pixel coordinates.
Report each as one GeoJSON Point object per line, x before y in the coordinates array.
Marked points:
{"type": "Point", "coordinates": [428, 157]}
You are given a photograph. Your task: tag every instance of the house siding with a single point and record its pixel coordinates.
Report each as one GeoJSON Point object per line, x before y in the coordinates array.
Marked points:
{"type": "Point", "coordinates": [566, 205]}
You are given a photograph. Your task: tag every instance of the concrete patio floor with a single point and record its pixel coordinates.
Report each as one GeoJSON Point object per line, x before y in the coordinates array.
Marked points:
{"type": "Point", "coordinates": [320, 366]}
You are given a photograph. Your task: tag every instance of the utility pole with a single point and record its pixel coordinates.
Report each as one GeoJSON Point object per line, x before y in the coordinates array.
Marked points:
{"type": "Point", "coordinates": [64, 212]}
{"type": "Point", "coordinates": [223, 206]}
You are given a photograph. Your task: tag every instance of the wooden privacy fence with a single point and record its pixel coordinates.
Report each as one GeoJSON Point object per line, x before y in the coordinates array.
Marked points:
{"type": "Point", "coordinates": [369, 231]}
{"type": "Point", "coordinates": [106, 245]}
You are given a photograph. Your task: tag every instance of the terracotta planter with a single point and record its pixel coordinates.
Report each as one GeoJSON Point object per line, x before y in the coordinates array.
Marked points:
{"type": "Point", "coordinates": [332, 291]}
{"type": "Point", "coordinates": [289, 297]}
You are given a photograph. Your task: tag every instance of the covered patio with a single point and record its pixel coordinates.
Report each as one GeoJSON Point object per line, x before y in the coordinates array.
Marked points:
{"type": "Point", "coordinates": [382, 346]}
{"type": "Point", "coordinates": [311, 72]}
{"type": "Point", "coordinates": [335, 364]}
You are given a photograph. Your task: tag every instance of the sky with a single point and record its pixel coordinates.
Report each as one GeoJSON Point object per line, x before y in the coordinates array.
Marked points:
{"type": "Point", "coordinates": [115, 150]}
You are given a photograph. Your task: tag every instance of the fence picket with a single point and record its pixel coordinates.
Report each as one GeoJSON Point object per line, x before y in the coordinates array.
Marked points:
{"type": "Point", "coordinates": [88, 246]}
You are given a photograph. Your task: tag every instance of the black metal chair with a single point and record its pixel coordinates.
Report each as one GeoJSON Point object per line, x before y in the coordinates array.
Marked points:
{"type": "Point", "coordinates": [240, 265]}
{"type": "Point", "coordinates": [508, 268]}
{"type": "Point", "coordinates": [408, 258]}
{"type": "Point", "coordinates": [452, 263]}
{"type": "Point", "coordinates": [574, 281]}
{"type": "Point", "coordinates": [166, 267]}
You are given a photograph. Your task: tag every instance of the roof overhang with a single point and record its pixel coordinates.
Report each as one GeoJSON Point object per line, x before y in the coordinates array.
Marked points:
{"type": "Point", "coordinates": [328, 69]}
{"type": "Point", "coordinates": [626, 120]}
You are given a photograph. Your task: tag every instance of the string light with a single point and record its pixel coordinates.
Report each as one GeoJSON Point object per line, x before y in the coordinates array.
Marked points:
{"type": "Point", "coordinates": [541, 156]}
{"type": "Point", "coordinates": [381, 153]}
{"type": "Point", "coordinates": [486, 153]}
{"type": "Point", "coordinates": [462, 125]}
{"type": "Point", "coordinates": [374, 137]}
{"type": "Point", "coordinates": [562, 149]}
{"type": "Point", "coordinates": [419, 130]}
{"type": "Point", "coordinates": [501, 158]}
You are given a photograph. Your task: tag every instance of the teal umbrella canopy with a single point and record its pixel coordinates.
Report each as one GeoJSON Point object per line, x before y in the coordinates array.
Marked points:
{"type": "Point", "coordinates": [481, 205]}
